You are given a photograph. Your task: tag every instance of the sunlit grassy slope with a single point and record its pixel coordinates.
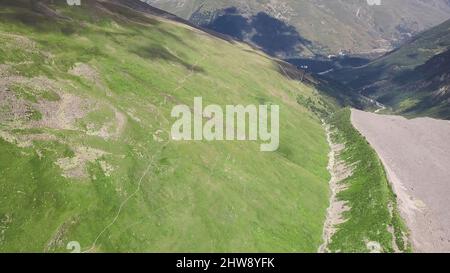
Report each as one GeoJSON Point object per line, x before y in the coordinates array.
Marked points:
{"type": "Point", "coordinates": [85, 153]}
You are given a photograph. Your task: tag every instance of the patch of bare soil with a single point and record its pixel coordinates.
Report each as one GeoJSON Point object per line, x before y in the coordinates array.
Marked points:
{"type": "Point", "coordinates": [121, 122]}
{"type": "Point", "coordinates": [25, 140]}
{"type": "Point", "coordinates": [416, 156]}
{"type": "Point", "coordinates": [112, 129]}
{"type": "Point", "coordinates": [58, 114]}
{"type": "Point", "coordinates": [85, 71]}
{"type": "Point", "coordinates": [8, 101]}
{"type": "Point", "coordinates": [107, 168]}
{"type": "Point", "coordinates": [64, 113]}
{"type": "Point", "coordinates": [339, 172]}
{"type": "Point", "coordinates": [58, 239]}
{"type": "Point", "coordinates": [75, 167]}
{"type": "Point", "coordinates": [4, 70]}
{"type": "Point", "coordinates": [89, 73]}
{"type": "Point", "coordinates": [5, 222]}
{"type": "Point", "coordinates": [18, 41]}
{"type": "Point", "coordinates": [12, 109]}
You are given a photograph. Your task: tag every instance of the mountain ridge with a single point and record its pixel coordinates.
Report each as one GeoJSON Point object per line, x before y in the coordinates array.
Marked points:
{"type": "Point", "coordinates": [412, 80]}
{"type": "Point", "coordinates": [351, 27]}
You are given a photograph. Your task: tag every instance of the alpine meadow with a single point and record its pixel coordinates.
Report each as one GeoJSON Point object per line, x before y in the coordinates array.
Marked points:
{"type": "Point", "coordinates": [229, 126]}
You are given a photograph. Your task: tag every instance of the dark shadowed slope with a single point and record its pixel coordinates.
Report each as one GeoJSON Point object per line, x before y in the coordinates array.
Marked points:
{"type": "Point", "coordinates": [412, 80]}
{"type": "Point", "coordinates": [332, 26]}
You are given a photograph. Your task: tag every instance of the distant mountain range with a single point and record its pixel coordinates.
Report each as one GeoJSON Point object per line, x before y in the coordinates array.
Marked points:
{"type": "Point", "coordinates": [293, 29]}
{"type": "Point", "coordinates": [412, 80]}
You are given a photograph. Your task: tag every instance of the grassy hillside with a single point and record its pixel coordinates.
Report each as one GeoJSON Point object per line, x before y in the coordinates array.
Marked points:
{"type": "Point", "coordinates": [373, 222]}
{"type": "Point", "coordinates": [330, 26]}
{"type": "Point", "coordinates": [85, 155]}
{"type": "Point", "coordinates": [411, 80]}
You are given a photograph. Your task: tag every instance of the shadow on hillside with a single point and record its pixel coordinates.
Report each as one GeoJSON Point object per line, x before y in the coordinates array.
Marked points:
{"type": "Point", "coordinates": [272, 35]}
{"type": "Point", "coordinates": [127, 13]}
{"type": "Point", "coordinates": [157, 52]}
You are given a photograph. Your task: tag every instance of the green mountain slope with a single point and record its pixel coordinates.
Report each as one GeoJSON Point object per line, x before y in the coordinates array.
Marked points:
{"type": "Point", "coordinates": [85, 155]}
{"type": "Point", "coordinates": [321, 27]}
{"type": "Point", "coordinates": [413, 80]}
{"type": "Point", "coordinates": [373, 220]}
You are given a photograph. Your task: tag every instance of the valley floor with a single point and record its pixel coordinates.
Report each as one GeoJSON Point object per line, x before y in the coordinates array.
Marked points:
{"type": "Point", "coordinates": [416, 156]}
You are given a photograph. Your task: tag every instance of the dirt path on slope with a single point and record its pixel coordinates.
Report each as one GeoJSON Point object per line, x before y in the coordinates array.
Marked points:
{"type": "Point", "coordinates": [339, 172]}
{"type": "Point", "coordinates": [416, 155]}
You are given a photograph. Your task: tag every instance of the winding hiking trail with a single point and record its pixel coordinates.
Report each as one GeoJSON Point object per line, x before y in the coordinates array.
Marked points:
{"type": "Point", "coordinates": [416, 156]}
{"type": "Point", "coordinates": [147, 170]}
{"type": "Point", "coordinates": [122, 205]}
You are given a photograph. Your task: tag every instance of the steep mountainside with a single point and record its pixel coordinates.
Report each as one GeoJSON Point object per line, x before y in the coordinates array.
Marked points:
{"type": "Point", "coordinates": [86, 94]}
{"type": "Point", "coordinates": [305, 28]}
{"type": "Point", "coordinates": [413, 79]}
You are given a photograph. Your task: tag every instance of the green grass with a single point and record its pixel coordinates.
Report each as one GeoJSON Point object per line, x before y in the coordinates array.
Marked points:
{"type": "Point", "coordinates": [196, 196]}
{"type": "Point", "coordinates": [24, 92]}
{"type": "Point", "coordinates": [369, 195]}
{"type": "Point", "coordinates": [50, 96]}
{"type": "Point", "coordinates": [34, 114]}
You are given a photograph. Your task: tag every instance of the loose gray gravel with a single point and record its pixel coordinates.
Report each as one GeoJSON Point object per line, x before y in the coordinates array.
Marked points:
{"type": "Point", "coordinates": [416, 155]}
